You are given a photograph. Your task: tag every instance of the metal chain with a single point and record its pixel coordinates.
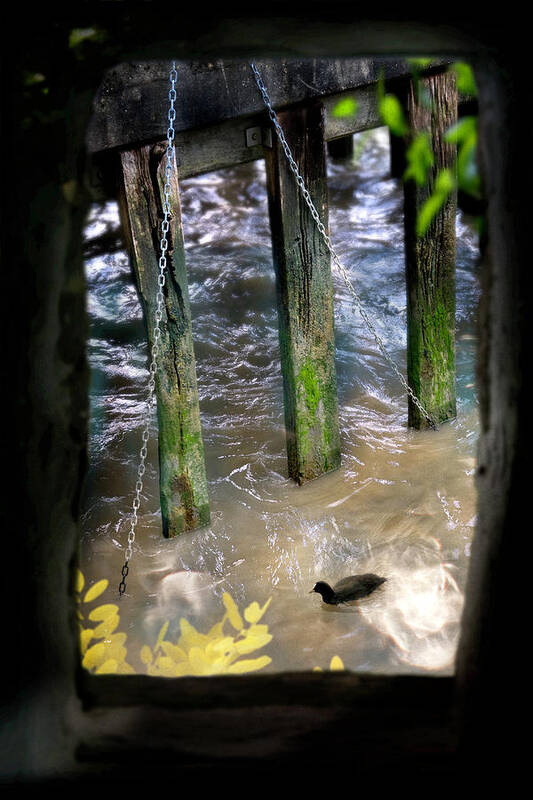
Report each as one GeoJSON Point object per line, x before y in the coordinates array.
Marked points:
{"type": "Point", "coordinates": [314, 213]}
{"type": "Point", "coordinates": [160, 299]}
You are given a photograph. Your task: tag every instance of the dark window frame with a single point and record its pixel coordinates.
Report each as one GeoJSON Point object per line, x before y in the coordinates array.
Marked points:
{"type": "Point", "coordinates": [270, 720]}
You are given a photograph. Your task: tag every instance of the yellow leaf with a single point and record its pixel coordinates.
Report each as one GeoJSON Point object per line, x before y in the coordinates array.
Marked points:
{"type": "Point", "coordinates": [146, 655]}
{"type": "Point", "coordinates": [96, 590]}
{"type": "Point", "coordinates": [174, 652]}
{"type": "Point", "coordinates": [162, 634]}
{"type": "Point", "coordinates": [182, 669]}
{"type": "Point", "coordinates": [216, 631]}
{"type": "Point", "coordinates": [125, 669]}
{"type": "Point", "coordinates": [100, 613]}
{"type": "Point", "coordinates": [256, 630]}
{"type": "Point", "coordinates": [117, 638]}
{"type": "Point", "coordinates": [190, 637]}
{"type": "Point", "coordinates": [336, 663]}
{"type": "Point", "coordinates": [85, 637]}
{"type": "Point", "coordinates": [109, 648]}
{"type": "Point", "coordinates": [220, 665]}
{"type": "Point", "coordinates": [224, 646]}
{"type": "Point", "coordinates": [249, 665]}
{"type": "Point", "coordinates": [164, 662]}
{"type": "Point", "coordinates": [254, 613]}
{"type": "Point", "coordinates": [94, 656]}
{"type": "Point", "coordinates": [108, 667]}
{"type": "Point", "coordinates": [253, 642]}
{"type": "Point", "coordinates": [317, 669]}
{"type": "Point", "coordinates": [233, 612]}
{"type": "Point", "coordinates": [199, 663]}
{"type": "Point", "coordinates": [106, 628]}
{"type": "Point", "coordinates": [80, 581]}
{"type": "Point", "coordinates": [166, 667]}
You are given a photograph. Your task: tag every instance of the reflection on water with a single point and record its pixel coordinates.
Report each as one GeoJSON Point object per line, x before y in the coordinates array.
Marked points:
{"type": "Point", "coordinates": [403, 503]}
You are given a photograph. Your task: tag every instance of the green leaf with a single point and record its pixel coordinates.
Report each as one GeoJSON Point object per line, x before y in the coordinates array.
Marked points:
{"type": "Point", "coordinates": [391, 113]}
{"type": "Point", "coordinates": [347, 107]}
{"type": "Point", "coordinates": [463, 130]}
{"type": "Point", "coordinates": [444, 184]}
{"type": "Point", "coordinates": [466, 82]}
{"type": "Point", "coordinates": [467, 172]}
{"type": "Point", "coordinates": [419, 158]}
{"type": "Point", "coordinates": [79, 35]}
{"type": "Point", "coordinates": [419, 63]}
{"type": "Point", "coordinates": [427, 213]}
{"type": "Point", "coordinates": [31, 78]}
{"type": "Point", "coordinates": [464, 134]}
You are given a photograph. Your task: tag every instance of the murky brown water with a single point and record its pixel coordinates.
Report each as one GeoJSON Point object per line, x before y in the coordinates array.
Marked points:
{"type": "Point", "coordinates": [403, 504]}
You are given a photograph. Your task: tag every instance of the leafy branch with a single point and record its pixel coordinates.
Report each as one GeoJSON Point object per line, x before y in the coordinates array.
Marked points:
{"type": "Point", "coordinates": [419, 154]}
{"type": "Point", "coordinates": [463, 175]}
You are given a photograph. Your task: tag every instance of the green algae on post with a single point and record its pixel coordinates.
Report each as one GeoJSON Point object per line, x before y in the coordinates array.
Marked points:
{"type": "Point", "coordinates": [304, 296]}
{"type": "Point", "coordinates": [430, 258]}
{"type": "Point", "coordinates": [183, 480]}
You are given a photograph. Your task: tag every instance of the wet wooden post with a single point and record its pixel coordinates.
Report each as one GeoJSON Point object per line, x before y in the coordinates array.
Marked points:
{"type": "Point", "coordinates": [183, 482]}
{"type": "Point", "coordinates": [430, 259]}
{"type": "Point", "coordinates": [305, 296]}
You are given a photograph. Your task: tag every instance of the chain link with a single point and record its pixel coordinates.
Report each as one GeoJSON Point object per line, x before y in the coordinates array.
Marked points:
{"type": "Point", "coordinates": [327, 240]}
{"type": "Point", "coordinates": [156, 343]}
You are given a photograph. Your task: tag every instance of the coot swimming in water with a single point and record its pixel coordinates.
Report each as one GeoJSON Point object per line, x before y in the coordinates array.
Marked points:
{"type": "Point", "coordinates": [351, 588]}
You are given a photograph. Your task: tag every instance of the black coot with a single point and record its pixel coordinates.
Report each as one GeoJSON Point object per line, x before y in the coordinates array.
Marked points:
{"type": "Point", "coordinates": [351, 588]}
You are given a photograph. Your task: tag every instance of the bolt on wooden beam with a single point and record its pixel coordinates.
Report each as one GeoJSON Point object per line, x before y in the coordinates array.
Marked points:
{"type": "Point", "coordinates": [182, 474]}
{"type": "Point", "coordinates": [304, 296]}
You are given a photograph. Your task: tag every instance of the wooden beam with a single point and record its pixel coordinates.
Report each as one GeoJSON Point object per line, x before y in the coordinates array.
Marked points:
{"type": "Point", "coordinates": [224, 144]}
{"type": "Point", "coordinates": [430, 259]}
{"type": "Point", "coordinates": [404, 723]}
{"type": "Point", "coordinates": [131, 104]}
{"type": "Point", "coordinates": [305, 296]}
{"type": "Point", "coordinates": [366, 116]}
{"type": "Point", "coordinates": [183, 482]}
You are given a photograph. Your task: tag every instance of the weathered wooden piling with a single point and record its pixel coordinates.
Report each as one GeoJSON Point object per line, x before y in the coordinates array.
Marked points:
{"type": "Point", "coordinates": [183, 482]}
{"type": "Point", "coordinates": [304, 296]}
{"type": "Point", "coordinates": [220, 121]}
{"type": "Point", "coordinates": [430, 259]}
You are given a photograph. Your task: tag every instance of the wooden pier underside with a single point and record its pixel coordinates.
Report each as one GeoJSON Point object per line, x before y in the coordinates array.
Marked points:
{"type": "Point", "coordinates": [221, 121]}
{"type": "Point", "coordinates": [218, 102]}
